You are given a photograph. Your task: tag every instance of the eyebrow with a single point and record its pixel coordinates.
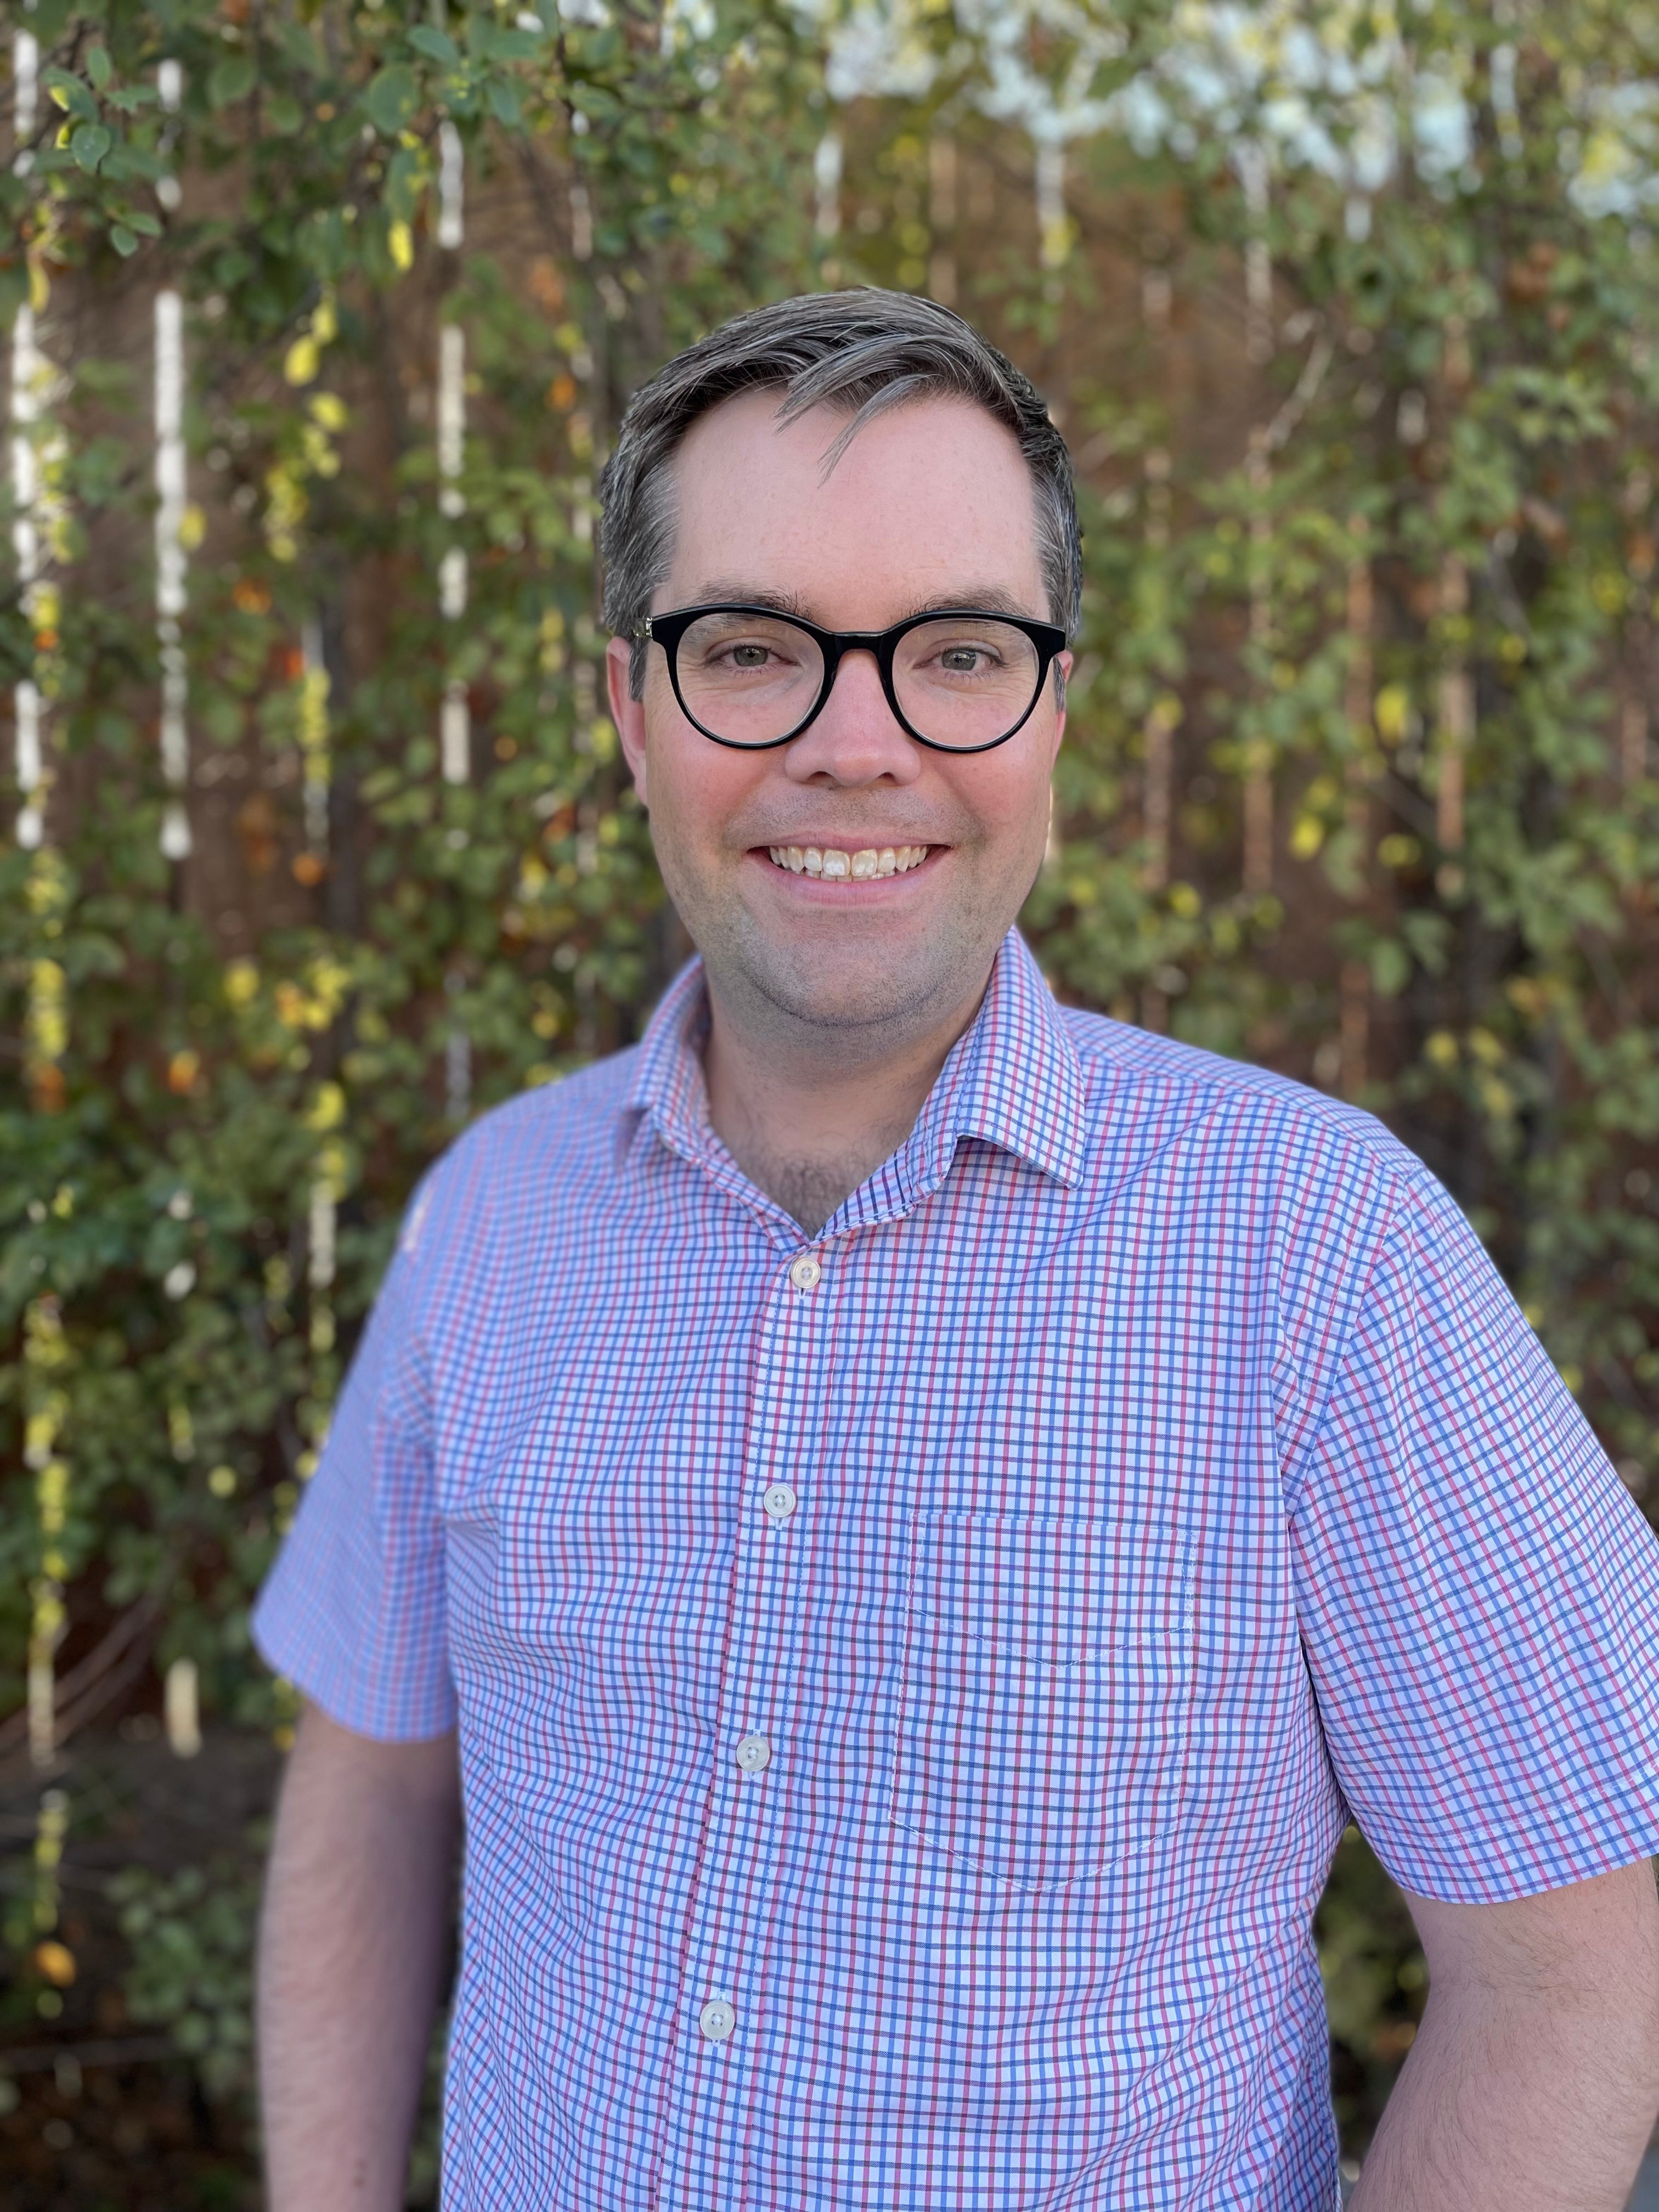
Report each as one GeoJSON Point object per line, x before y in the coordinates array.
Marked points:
{"type": "Point", "coordinates": [986, 598]}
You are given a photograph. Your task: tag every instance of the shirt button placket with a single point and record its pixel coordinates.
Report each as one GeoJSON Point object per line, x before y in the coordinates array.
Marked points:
{"type": "Point", "coordinates": [721, 2056]}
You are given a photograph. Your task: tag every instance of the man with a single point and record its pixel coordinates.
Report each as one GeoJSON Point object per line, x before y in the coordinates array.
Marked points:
{"type": "Point", "coordinates": [929, 1510]}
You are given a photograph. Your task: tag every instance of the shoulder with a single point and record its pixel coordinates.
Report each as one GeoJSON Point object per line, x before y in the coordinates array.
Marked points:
{"type": "Point", "coordinates": [1300, 1149]}
{"type": "Point", "coordinates": [533, 1152]}
{"type": "Point", "coordinates": [1114, 1056]}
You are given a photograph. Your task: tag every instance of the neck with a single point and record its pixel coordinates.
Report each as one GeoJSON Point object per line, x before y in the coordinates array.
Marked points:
{"type": "Point", "coordinates": [808, 1118]}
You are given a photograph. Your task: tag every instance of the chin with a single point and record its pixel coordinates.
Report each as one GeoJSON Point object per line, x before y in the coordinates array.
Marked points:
{"type": "Point", "coordinates": [852, 985]}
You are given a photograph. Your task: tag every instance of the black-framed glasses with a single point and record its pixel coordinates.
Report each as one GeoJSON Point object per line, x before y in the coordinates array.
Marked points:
{"type": "Point", "coordinates": [958, 679]}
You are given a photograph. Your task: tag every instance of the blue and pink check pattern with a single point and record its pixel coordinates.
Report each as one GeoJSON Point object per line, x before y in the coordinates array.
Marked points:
{"type": "Point", "coordinates": [1173, 1480]}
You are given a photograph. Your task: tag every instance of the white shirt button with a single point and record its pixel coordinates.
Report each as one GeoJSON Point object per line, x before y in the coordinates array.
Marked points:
{"type": "Point", "coordinates": [717, 2020]}
{"type": "Point", "coordinates": [754, 1754]}
{"type": "Point", "coordinates": [805, 1272]}
{"type": "Point", "coordinates": [779, 1502]}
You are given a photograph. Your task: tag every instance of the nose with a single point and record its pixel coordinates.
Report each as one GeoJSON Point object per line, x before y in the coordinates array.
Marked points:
{"type": "Point", "coordinates": [855, 739]}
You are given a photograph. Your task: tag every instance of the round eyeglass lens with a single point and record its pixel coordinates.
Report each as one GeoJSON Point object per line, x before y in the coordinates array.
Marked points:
{"type": "Point", "coordinates": [750, 678]}
{"type": "Point", "coordinates": [965, 682]}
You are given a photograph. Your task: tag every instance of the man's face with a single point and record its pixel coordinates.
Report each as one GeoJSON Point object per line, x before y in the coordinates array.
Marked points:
{"type": "Point", "coordinates": [930, 504]}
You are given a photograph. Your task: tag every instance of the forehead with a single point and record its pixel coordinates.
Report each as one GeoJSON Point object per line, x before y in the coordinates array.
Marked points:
{"type": "Point", "coordinates": [932, 490]}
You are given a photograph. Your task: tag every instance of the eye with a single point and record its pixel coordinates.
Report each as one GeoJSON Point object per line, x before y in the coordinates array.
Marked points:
{"type": "Point", "coordinates": [743, 655]}
{"type": "Point", "coordinates": [966, 657]}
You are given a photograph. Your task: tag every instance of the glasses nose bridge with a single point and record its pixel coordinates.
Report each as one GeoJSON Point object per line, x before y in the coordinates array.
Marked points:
{"type": "Point", "coordinates": [838, 646]}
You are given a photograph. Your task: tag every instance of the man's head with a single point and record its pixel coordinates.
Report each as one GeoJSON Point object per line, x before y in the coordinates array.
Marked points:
{"type": "Point", "coordinates": [855, 458]}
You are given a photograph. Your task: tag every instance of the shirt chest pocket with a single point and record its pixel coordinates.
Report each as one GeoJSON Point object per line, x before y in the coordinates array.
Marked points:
{"type": "Point", "coordinates": [1046, 1691]}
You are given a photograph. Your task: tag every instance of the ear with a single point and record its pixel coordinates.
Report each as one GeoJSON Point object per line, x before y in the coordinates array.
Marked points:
{"type": "Point", "coordinates": [1063, 670]}
{"type": "Point", "coordinates": [627, 712]}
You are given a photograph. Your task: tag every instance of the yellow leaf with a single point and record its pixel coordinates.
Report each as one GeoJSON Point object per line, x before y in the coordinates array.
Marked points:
{"type": "Point", "coordinates": [328, 409]}
{"type": "Point", "coordinates": [1393, 713]}
{"type": "Point", "coordinates": [400, 244]}
{"type": "Point", "coordinates": [56, 1961]}
{"type": "Point", "coordinates": [1307, 836]}
{"type": "Point", "coordinates": [1496, 1097]}
{"type": "Point", "coordinates": [329, 1110]}
{"type": "Point", "coordinates": [241, 982]}
{"type": "Point", "coordinates": [192, 528]}
{"type": "Point", "coordinates": [300, 363]}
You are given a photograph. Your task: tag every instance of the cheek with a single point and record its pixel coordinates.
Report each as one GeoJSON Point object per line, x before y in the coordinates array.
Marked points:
{"type": "Point", "coordinates": [1008, 801]}
{"type": "Point", "coordinates": [696, 788]}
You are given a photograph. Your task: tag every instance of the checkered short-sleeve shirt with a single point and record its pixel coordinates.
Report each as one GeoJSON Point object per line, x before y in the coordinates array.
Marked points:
{"type": "Point", "coordinates": [911, 1681]}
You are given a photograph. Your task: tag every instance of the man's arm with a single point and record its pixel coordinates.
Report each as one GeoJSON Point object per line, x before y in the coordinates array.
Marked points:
{"type": "Point", "coordinates": [352, 1945]}
{"type": "Point", "coordinates": [1534, 2082]}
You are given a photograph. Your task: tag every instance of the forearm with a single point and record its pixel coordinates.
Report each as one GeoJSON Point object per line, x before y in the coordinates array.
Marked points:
{"type": "Point", "coordinates": [352, 1945]}
{"type": "Point", "coordinates": [1508, 2104]}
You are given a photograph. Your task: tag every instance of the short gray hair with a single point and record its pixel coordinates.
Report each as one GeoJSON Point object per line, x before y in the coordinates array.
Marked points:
{"type": "Point", "coordinates": [860, 352]}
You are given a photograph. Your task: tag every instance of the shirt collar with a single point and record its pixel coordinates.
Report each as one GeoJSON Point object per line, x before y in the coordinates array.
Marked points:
{"type": "Point", "coordinates": [1012, 1080]}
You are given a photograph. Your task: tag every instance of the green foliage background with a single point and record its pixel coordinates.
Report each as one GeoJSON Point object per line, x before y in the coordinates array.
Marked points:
{"type": "Point", "coordinates": [1407, 622]}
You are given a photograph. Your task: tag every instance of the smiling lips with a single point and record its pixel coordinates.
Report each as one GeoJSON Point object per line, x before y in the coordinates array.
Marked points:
{"type": "Point", "coordinates": [835, 866]}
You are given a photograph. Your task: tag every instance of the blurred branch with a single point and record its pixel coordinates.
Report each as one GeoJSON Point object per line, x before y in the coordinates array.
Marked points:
{"type": "Point", "coordinates": [95, 1682]}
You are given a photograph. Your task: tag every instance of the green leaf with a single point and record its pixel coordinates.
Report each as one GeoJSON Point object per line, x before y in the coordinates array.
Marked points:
{"type": "Point", "coordinates": [405, 178]}
{"type": "Point", "coordinates": [393, 97]}
{"type": "Point", "coordinates": [123, 239]}
{"type": "Point", "coordinates": [300, 48]}
{"type": "Point", "coordinates": [72, 95]}
{"type": "Point", "coordinates": [89, 144]}
{"type": "Point", "coordinates": [1391, 967]}
{"type": "Point", "coordinates": [512, 45]}
{"type": "Point", "coordinates": [229, 80]}
{"type": "Point", "coordinates": [426, 39]}
{"type": "Point", "coordinates": [97, 66]}
{"type": "Point", "coordinates": [504, 102]}
{"type": "Point", "coordinates": [122, 164]}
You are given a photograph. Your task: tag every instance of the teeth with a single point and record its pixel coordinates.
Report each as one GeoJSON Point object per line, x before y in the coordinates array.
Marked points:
{"type": "Point", "coordinates": [839, 866]}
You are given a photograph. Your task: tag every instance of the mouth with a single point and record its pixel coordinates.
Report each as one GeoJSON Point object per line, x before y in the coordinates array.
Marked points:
{"type": "Point", "coordinates": [835, 864]}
